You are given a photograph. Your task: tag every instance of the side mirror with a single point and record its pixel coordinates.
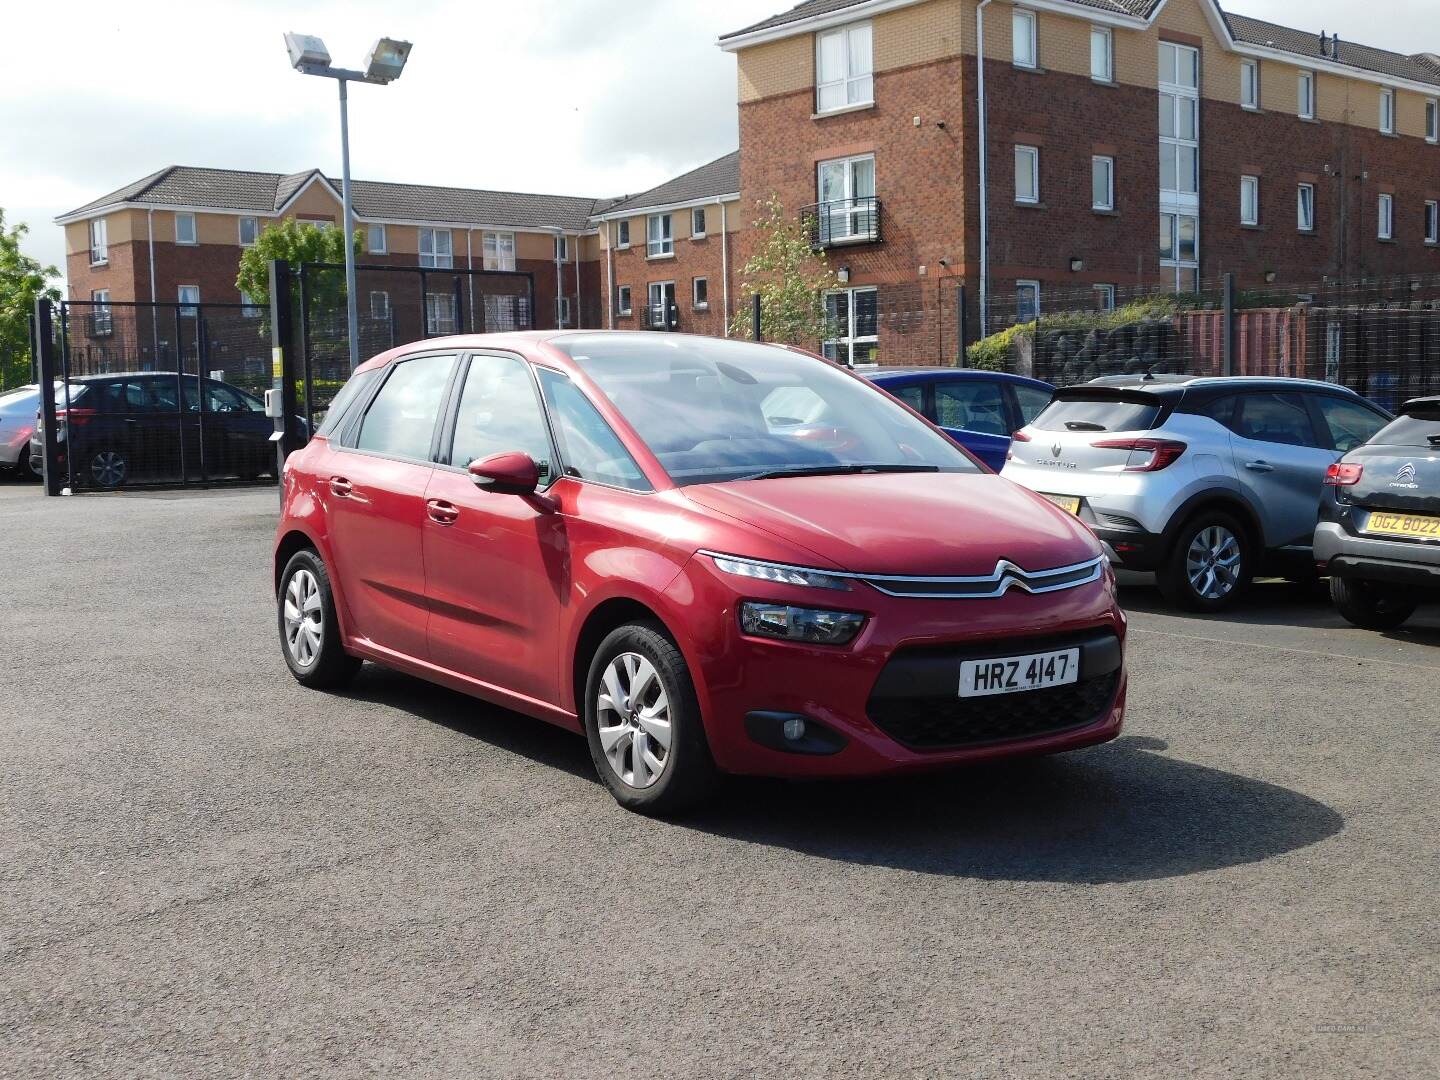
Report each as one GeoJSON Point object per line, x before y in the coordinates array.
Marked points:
{"type": "Point", "coordinates": [514, 473]}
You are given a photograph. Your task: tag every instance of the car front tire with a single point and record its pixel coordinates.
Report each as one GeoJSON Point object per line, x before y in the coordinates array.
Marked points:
{"type": "Point", "coordinates": [309, 630]}
{"type": "Point", "coordinates": [1209, 564]}
{"type": "Point", "coordinates": [642, 721]}
{"type": "Point", "coordinates": [1370, 605]}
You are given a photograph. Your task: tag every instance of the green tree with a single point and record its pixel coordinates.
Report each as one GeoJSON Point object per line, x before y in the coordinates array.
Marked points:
{"type": "Point", "coordinates": [22, 281]}
{"type": "Point", "coordinates": [791, 279]}
{"type": "Point", "coordinates": [297, 242]}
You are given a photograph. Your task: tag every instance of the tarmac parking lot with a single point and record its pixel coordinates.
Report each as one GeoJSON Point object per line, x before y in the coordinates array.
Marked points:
{"type": "Point", "coordinates": [208, 870]}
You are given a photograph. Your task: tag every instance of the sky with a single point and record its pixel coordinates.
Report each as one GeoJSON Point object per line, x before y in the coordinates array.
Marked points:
{"type": "Point", "coordinates": [576, 97]}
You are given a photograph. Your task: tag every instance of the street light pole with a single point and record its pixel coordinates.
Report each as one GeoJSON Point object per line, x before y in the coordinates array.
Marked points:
{"type": "Point", "coordinates": [352, 312]}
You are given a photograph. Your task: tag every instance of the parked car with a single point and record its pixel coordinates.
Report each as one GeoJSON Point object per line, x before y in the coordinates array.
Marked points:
{"type": "Point", "coordinates": [978, 409]}
{"type": "Point", "coordinates": [1379, 531]}
{"type": "Point", "coordinates": [17, 422]}
{"type": "Point", "coordinates": [1206, 481]}
{"type": "Point", "coordinates": [128, 424]}
{"type": "Point", "coordinates": [708, 556]}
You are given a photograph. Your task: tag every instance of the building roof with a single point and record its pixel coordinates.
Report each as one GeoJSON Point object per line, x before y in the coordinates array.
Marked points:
{"type": "Point", "coordinates": [713, 179]}
{"type": "Point", "coordinates": [267, 193]}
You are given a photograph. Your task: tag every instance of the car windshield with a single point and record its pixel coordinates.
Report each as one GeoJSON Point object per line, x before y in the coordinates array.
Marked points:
{"type": "Point", "coordinates": [1097, 413]}
{"type": "Point", "coordinates": [712, 410]}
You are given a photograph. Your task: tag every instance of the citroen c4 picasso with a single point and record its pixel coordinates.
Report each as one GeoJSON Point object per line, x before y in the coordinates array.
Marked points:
{"type": "Point", "coordinates": [706, 556]}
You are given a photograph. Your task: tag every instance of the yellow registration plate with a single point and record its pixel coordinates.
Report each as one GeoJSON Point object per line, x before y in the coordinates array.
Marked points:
{"type": "Point", "coordinates": [1065, 502]}
{"type": "Point", "coordinates": [1413, 525]}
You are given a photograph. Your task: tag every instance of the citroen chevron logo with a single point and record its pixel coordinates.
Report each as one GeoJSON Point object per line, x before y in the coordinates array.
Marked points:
{"type": "Point", "coordinates": [1406, 475]}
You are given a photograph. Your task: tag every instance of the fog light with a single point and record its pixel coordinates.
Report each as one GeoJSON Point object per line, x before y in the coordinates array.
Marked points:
{"type": "Point", "coordinates": [788, 623]}
{"type": "Point", "coordinates": [795, 729]}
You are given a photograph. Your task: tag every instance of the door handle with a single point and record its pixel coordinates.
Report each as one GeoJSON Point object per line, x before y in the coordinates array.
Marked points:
{"type": "Point", "coordinates": [441, 512]}
{"type": "Point", "coordinates": [340, 487]}
{"type": "Point", "coordinates": [1259, 466]}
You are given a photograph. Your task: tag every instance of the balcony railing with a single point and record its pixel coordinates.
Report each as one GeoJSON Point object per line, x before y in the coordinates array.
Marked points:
{"type": "Point", "coordinates": [660, 316]}
{"type": "Point", "coordinates": [842, 221]}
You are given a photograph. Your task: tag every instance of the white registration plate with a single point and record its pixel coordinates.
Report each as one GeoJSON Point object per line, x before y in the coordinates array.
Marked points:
{"type": "Point", "coordinates": [1016, 674]}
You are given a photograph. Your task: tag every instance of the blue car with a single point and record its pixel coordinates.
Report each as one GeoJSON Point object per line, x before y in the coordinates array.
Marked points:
{"type": "Point", "coordinates": [978, 409]}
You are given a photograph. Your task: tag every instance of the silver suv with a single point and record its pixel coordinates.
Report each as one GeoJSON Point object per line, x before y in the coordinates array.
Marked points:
{"type": "Point", "coordinates": [1206, 481]}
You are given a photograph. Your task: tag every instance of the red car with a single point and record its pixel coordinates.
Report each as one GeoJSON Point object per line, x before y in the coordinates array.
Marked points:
{"type": "Point", "coordinates": [708, 556]}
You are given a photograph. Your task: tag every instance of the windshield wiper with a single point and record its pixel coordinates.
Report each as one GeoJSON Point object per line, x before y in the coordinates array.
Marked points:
{"type": "Point", "coordinates": [838, 470]}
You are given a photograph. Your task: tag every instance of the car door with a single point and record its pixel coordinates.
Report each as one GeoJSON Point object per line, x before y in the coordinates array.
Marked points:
{"type": "Point", "coordinates": [1280, 460]}
{"type": "Point", "coordinates": [495, 562]}
{"type": "Point", "coordinates": [237, 432]}
{"type": "Point", "coordinates": [375, 503]}
{"type": "Point", "coordinates": [975, 413]}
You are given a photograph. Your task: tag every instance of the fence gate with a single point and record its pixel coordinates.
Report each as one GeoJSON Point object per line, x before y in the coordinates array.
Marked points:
{"type": "Point", "coordinates": [153, 395]}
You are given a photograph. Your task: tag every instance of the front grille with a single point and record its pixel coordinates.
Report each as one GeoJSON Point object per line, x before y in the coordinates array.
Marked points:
{"type": "Point", "coordinates": [1007, 576]}
{"type": "Point", "coordinates": [943, 723]}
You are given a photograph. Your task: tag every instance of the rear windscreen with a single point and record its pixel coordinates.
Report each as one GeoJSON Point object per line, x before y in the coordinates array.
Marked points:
{"type": "Point", "coordinates": [1420, 426]}
{"type": "Point", "coordinates": [1097, 415]}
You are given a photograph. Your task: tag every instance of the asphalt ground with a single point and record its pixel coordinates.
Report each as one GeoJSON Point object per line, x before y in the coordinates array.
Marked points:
{"type": "Point", "coordinates": [206, 870]}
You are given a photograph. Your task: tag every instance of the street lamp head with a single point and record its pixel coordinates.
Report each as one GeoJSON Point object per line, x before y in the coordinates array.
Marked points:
{"type": "Point", "coordinates": [307, 52]}
{"type": "Point", "coordinates": [386, 60]}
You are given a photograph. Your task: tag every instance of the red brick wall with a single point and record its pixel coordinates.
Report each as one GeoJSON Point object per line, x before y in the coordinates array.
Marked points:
{"type": "Point", "coordinates": [693, 258]}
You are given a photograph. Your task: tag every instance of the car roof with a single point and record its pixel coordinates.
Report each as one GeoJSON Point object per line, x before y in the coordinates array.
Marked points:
{"type": "Point", "coordinates": [1174, 386]}
{"type": "Point", "coordinates": [918, 373]}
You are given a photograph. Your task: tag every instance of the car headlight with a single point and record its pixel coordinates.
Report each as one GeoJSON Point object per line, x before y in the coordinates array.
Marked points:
{"type": "Point", "coordinates": [780, 574]}
{"type": "Point", "coordinates": [814, 626]}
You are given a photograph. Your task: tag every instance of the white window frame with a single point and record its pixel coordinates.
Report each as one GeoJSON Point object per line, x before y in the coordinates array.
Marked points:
{"type": "Point", "coordinates": [1432, 221]}
{"type": "Point", "coordinates": [99, 242]}
{"type": "Point", "coordinates": [562, 248]}
{"type": "Point", "coordinates": [102, 319]}
{"type": "Point", "coordinates": [240, 230]}
{"type": "Point", "coordinates": [857, 81]}
{"type": "Point", "coordinates": [436, 304]}
{"type": "Point", "coordinates": [697, 214]}
{"type": "Point", "coordinates": [185, 215]}
{"type": "Point", "coordinates": [852, 216]}
{"type": "Point", "coordinates": [622, 235]}
{"type": "Point", "coordinates": [1432, 120]}
{"type": "Point", "coordinates": [252, 310]}
{"type": "Point", "coordinates": [497, 250]}
{"type": "Point", "coordinates": [1103, 37]}
{"type": "Point", "coordinates": [1305, 95]}
{"type": "Point", "coordinates": [371, 232]}
{"type": "Point", "coordinates": [624, 301]}
{"type": "Point", "coordinates": [1387, 111]}
{"type": "Point", "coordinates": [1185, 100]}
{"type": "Point", "coordinates": [435, 258]}
{"type": "Point", "coordinates": [562, 311]}
{"type": "Point", "coordinates": [1385, 217]}
{"type": "Point", "coordinates": [659, 241]}
{"type": "Point", "coordinates": [695, 301]}
{"type": "Point", "coordinates": [1024, 39]}
{"type": "Point", "coordinates": [1305, 207]}
{"type": "Point", "coordinates": [1027, 163]}
{"type": "Point", "coordinates": [188, 308]}
{"type": "Point", "coordinates": [1105, 297]}
{"type": "Point", "coordinates": [1107, 162]}
{"type": "Point", "coordinates": [1021, 287]}
{"type": "Point", "coordinates": [845, 343]}
{"type": "Point", "coordinates": [1250, 85]}
{"type": "Point", "coordinates": [380, 310]}
{"type": "Point", "coordinates": [1250, 189]}
{"type": "Point", "coordinates": [1173, 221]}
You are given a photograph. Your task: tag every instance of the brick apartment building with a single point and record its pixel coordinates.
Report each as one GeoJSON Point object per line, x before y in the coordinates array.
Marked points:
{"type": "Point", "coordinates": [1242, 146]}
{"type": "Point", "coordinates": [669, 252]}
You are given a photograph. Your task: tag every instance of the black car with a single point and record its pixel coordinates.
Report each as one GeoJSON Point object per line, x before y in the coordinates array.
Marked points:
{"type": "Point", "coordinates": [1379, 531]}
{"type": "Point", "coordinates": [128, 425]}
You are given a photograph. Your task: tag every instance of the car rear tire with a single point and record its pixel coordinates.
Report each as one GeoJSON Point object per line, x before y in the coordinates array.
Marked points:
{"type": "Point", "coordinates": [1370, 605]}
{"type": "Point", "coordinates": [309, 630]}
{"type": "Point", "coordinates": [642, 721]}
{"type": "Point", "coordinates": [109, 468]}
{"type": "Point", "coordinates": [1210, 563]}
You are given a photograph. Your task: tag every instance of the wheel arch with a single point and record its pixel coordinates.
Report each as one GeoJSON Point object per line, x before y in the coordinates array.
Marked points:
{"type": "Point", "coordinates": [1218, 499]}
{"type": "Point", "coordinates": [607, 615]}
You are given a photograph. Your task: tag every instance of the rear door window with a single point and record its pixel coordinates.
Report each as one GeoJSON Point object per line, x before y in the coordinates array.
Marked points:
{"type": "Point", "coordinates": [1274, 418]}
{"type": "Point", "coordinates": [1349, 424]}
{"type": "Point", "coordinates": [971, 405]}
{"type": "Point", "coordinates": [1419, 427]}
{"type": "Point", "coordinates": [401, 420]}
{"type": "Point", "coordinates": [1098, 414]}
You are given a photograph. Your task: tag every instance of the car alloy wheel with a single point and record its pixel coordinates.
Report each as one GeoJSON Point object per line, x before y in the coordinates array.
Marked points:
{"type": "Point", "coordinates": [1213, 562]}
{"type": "Point", "coordinates": [304, 618]}
{"type": "Point", "coordinates": [108, 468]}
{"type": "Point", "coordinates": [633, 714]}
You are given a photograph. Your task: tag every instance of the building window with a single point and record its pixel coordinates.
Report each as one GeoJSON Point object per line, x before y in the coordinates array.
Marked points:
{"type": "Point", "coordinates": [376, 240]}
{"type": "Point", "coordinates": [1102, 183]}
{"type": "Point", "coordinates": [659, 240]}
{"type": "Point", "coordinates": [99, 244]}
{"type": "Point", "coordinates": [185, 229]}
{"type": "Point", "coordinates": [1250, 84]}
{"type": "Point", "coordinates": [701, 292]}
{"type": "Point", "coordinates": [1102, 55]}
{"type": "Point", "coordinates": [847, 199]}
{"type": "Point", "coordinates": [1027, 301]}
{"type": "Point", "coordinates": [624, 235]}
{"type": "Point", "coordinates": [1024, 50]}
{"type": "Point", "coordinates": [439, 314]}
{"type": "Point", "coordinates": [1180, 249]}
{"type": "Point", "coordinates": [189, 297]}
{"type": "Point", "coordinates": [1105, 297]}
{"type": "Point", "coordinates": [1432, 222]}
{"type": "Point", "coordinates": [504, 312]}
{"type": "Point", "coordinates": [1306, 101]}
{"type": "Point", "coordinates": [663, 312]}
{"type": "Point", "coordinates": [252, 309]}
{"type": "Point", "coordinates": [1306, 208]}
{"type": "Point", "coordinates": [1387, 112]}
{"type": "Point", "coordinates": [844, 68]}
{"type": "Point", "coordinates": [1027, 174]}
{"type": "Point", "coordinates": [102, 321]}
{"type": "Point", "coordinates": [249, 231]}
{"type": "Point", "coordinates": [1432, 120]}
{"type": "Point", "coordinates": [1387, 217]}
{"type": "Point", "coordinates": [623, 301]}
{"type": "Point", "coordinates": [697, 223]}
{"type": "Point", "coordinates": [1179, 120]}
{"type": "Point", "coordinates": [562, 311]}
{"type": "Point", "coordinates": [380, 305]}
{"type": "Point", "coordinates": [562, 248]}
{"type": "Point", "coordinates": [854, 318]}
{"type": "Point", "coordinates": [1249, 200]}
{"type": "Point", "coordinates": [436, 248]}
{"type": "Point", "coordinates": [497, 250]}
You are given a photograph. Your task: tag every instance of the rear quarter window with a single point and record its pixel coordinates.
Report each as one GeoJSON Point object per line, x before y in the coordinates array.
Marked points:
{"type": "Point", "coordinates": [1418, 427]}
{"type": "Point", "coordinates": [1097, 414]}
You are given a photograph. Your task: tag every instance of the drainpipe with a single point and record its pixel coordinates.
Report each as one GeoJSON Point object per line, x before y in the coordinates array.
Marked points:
{"type": "Point", "coordinates": [559, 275]}
{"type": "Point", "coordinates": [609, 275]}
{"type": "Point", "coordinates": [575, 315]}
{"type": "Point", "coordinates": [984, 165]}
{"type": "Point", "coordinates": [725, 266]}
{"type": "Point", "coordinates": [154, 311]}
{"type": "Point", "coordinates": [470, 277]}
